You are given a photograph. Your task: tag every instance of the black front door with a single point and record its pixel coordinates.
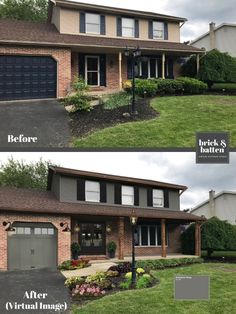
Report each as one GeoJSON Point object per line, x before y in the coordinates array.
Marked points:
{"type": "Point", "coordinates": [92, 238]}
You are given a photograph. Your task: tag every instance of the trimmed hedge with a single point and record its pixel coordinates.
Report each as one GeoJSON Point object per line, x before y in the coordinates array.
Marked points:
{"type": "Point", "coordinates": [165, 263]}
{"type": "Point", "coordinates": [192, 86]}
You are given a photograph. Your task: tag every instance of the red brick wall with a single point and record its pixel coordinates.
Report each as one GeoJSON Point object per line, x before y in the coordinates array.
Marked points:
{"type": "Point", "coordinates": [74, 65]}
{"type": "Point", "coordinates": [61, 55]}
{"type": "Point", "coordinates": [64, 238]}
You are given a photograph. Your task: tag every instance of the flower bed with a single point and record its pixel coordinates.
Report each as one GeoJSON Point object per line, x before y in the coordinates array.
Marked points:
{"type": "Point", "coordinates": [74, 264]}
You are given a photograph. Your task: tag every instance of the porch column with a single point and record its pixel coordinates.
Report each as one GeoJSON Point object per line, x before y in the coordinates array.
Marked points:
{"type": "Point", "coordinates": [163, 237]}
{"type": "Point", "coordinates": [120, 70]}
{"type": "Point", "coordinates": [197, 239]}
{"type": "Point", "coordinates": [198, 63]}
{"type": "Point", "coordinates": [163, 65]}
{"type": "Point", "coordinates": [121, 234]}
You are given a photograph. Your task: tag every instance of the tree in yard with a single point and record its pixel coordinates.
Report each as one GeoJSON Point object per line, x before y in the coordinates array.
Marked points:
{"type": "Point", "coordinates": [216, 235]}
{"type": "Point", "coordinates": [22, 175]}
{"type": "Point", "coordinates": [28, 10]}
{"type": "Point", "coordinates": [189, 68]}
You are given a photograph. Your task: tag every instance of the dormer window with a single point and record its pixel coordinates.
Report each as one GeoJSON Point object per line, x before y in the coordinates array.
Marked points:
{"type": "Point", "coordinates": [127, 193]}
{"type": "Point", "coordinates": [93, 23]}
{"type": "Point", "coordinates": [158, 198]}
{"type": "Point", "coordinates": [158, 30]}
{"type": "Point", "coordinates": [92, 191]}
{"type": "Point", "coordinates": [128, 27]}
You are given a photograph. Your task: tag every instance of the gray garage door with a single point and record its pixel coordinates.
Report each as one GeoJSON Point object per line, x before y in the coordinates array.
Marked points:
{"type": "Point", "coordinates": [27, 77]}
{"type": "Point", "coordinates": [32, 246]}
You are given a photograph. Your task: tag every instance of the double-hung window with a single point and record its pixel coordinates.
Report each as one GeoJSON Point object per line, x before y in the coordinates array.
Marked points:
{"type": "Point", "coordinates": [127, 195]}
{"type": "Point", "coordinates": [128, 26]}
{"type": "Point", "coordinates": [158, 30]}
{"type": "Point", "coordinates": [92, 23]}
{"type": "Point", "coordinates": [157, 198]}
{"type": "Point", "coordinates": [92, 191]}
{"type": "Point", "coordinates": [149, 235]}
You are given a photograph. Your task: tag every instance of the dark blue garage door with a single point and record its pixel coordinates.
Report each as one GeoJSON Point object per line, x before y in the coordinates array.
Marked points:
{"type": "Point", "coordinates": [26, 77]}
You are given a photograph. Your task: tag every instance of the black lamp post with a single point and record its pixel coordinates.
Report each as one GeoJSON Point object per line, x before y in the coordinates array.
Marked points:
{"type": "Point", "coordinates": [133, 222]}
{"type": "Point", "coordinates": [133, 54]}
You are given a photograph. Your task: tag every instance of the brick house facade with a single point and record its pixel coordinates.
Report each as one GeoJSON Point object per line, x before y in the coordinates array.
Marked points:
{"type": "Point", "coordinates": [91, 209]}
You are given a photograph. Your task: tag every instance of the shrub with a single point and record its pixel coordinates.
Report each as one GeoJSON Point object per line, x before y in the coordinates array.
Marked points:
{"type": "Point", "coordinates": [140, 271]}
{"type": "Point", "coordinates": [75, 248]}
{"type": "Point", "coordinates": [100, 279]}
{"type": "Point", "coordinates": [117, 100]}
{"type": "Point", "coordinates": [122, 268]}
{"type": "Point", "coordinates": [89, 290]}
{"type": "Point", "coordinates": [111, 273]}
{"type": "Point", "coordinates": [80, 102]}
{"type": "Point", "coordinates": [168, 86]}
{"type": "Point", "coordinates": [80, 85]}
{"type": "Point", "coordinates": [74, 264]}
{"type": "Point", "coordinates": [145, 88]}
{"type": "Point", "coordinates": [128, 275]}
{"type": "Point", "coordinates": [192, 86]}
{"type": "Point", "coordinates": [143, 282]}
{"type": "Point", "coordinates": [127, 85]}
{"type": "Point", "coordinates": [111, 246]}
{"type": "Point", "coordinates": [72, 282]}
{"type": "Point", "coordinates": [125, 284]}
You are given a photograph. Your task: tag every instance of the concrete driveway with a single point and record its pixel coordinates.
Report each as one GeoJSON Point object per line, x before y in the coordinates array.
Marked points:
{"type": "Point", "coordinates": [15, 284]}
{"type": "Point", "coordinates": [46, 120]}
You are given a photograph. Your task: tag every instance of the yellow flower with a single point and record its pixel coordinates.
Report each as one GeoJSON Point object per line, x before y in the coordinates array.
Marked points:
{"type": "Point", "coordinates": [140, 270]}
{"type": "Point", "coordinates": [128, 275]}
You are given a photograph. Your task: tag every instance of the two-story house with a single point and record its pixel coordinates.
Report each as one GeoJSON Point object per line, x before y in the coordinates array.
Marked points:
{"type": "Point", "coordinates": [40, 60]}
{"type": "Point", "coordinates": [38, 227]}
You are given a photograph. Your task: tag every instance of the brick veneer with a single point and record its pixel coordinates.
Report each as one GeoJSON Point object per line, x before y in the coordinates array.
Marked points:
{"type": "Point", "coordinates": [61, 55]}
{"type": "Point", "coordinates": [64, 238]}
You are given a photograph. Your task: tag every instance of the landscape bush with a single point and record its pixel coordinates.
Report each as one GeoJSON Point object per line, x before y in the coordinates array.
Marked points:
{"type": "Point", "coordinates": [74, 264]}
{"type": "Point", "coordinates": [72, 282]}
{"type": "Point", "coordinates": [122, 268]}
{"type": "Point", "coordinates": [169, 87]}
{"type": "Point", "coordinates": [145, 88]}
{"type": "Point", "coordinates": [117, 100]}
{"type": "Point", "coordinates": [192, 86]}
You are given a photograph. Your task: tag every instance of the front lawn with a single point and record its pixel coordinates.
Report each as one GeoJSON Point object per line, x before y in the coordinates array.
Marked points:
{"type": "Point", "coordinates": [180, 118]}
{"type": "Point", "coordinates": [159, 299]}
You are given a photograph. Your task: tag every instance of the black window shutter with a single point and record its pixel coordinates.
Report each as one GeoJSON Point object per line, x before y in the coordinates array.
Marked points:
{"type": "Point", "coordinates": [136, 29]}
{"type": "Point", "coordinates": [103, 192]}
{"type": "Point", "coordinates": [166, 198]}
{"type": "Point", "coordinates": [103, 25]}
{"type": "Point", "coordinates": [82, 65]}
{"type": "Point", "coordinates": [136, 196]}
{"type": "Point", "coordinates": [117, 193]}
{"type": "Point", "coordinates": [166, 31]}
{"type": "Point", "coordinates": [80, 189]}
{"type": "Point", "coordinates": [150, 30]}
{"type": "Point", "coordinates": [103, 70]}
{"type": "Point", "coordinates": [119, 26]}
{"type": "Point", "coordinates": [129, 69]}
{"type": "Point", "coordinates": [149, 197]}
{"type": "Point", "coordinates": [82, 22]}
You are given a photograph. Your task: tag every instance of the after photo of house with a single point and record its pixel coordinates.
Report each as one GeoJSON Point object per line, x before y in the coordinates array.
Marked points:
{"type": "Point", "coordinates": [82, 224]}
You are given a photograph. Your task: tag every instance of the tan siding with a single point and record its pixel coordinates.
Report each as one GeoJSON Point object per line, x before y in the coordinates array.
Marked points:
{"type": "Point", "coordinates": [56, 17]}
{"type": "Point", "coordinates": [111, 26]}
{"type": "Point", "coordinates": [143, 29]}
{"type": "Point", "coordinates": [174, 32]}
{"type": "Point", "coordinates": [69, 21]}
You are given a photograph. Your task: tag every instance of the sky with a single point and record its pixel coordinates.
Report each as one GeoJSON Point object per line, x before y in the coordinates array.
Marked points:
{"type": "Point", "coordinates": [179, 168]}
{"type": "Point", "coordinates": [199, 12]}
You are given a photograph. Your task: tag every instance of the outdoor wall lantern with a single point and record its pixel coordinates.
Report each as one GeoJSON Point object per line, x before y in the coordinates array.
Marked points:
{"type": "Point", "coordinates": [65, 226]}
{"type": "Point", "coordinates": [10, 227]}
{"type": "Point", "coordinates": [77, 228]}
{"type": "Point", "coordinates": [108, 229]}
{"type": "Point", "coordinates": [133, 54]}
{"type": "Point", "coordinates": [133, 221]}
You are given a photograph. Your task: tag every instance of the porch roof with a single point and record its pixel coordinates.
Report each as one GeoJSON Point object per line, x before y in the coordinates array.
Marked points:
{"type": "Point", "coordinates": [39, 202]}
{"type": "Point", "coordinates": [46, 34]}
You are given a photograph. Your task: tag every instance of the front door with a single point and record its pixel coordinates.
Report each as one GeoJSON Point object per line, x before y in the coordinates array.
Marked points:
{"type": "Point", "coordinates": [92, 70]}
{"type": "Point", "coordinates": [92, 238]}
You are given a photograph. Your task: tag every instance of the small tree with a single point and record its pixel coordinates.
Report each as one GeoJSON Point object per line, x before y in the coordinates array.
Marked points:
{"type": "Point", "coordinates": [19, 174]}
{"type": "Point", "coordinates": [189, 68]}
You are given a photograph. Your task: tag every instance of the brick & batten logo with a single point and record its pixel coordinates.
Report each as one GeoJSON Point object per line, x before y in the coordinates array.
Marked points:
{"type": "Point", "coordinates": [212, 147]}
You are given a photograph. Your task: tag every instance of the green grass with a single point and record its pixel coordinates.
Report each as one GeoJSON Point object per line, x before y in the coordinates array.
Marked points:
{"type": "Point", "coordinates": [226, 86]}
{"type": "Point", "coordinates": [220, 253]}
{"type": "Point", "coordinates": [159, 299]}
{"type": "Point", "coordinates": [180, 118]}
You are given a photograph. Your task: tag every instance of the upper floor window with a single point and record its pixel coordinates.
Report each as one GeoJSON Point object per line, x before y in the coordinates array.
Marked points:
{"type": "Point", "coordinates": [128, 27]}
{"type": "Point", "coordinates": [158, 198]}
{"type": "Point", "coordinates": [93, 23]}
{"type": "Point", "coordinates": [127, 195]}
{"type": "Point", "coordinates": [92, 191]}
{"type": "Point", "coordinates": [158, 30]}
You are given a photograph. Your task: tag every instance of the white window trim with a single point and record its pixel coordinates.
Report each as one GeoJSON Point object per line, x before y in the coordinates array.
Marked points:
{"type": "Point", "coordinates": [86, 71]}
{"type": "Point", "coordinates": [148, 226]}
{"type": "Point", "coordinates": [127, 195]}
{"type": "Point", "coordinates": [149, 68]}
{"type": "Point", "coordinates": [133, 28]}
{"type": "Point", "coordinates": [158, 38]}
{"type": "Point", "coordinates": [87, 32]}
{"type": "Point", "coordinates": [92, 191]}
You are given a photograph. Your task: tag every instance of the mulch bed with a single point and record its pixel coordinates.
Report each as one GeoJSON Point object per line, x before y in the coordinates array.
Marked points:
{"type": "Point", "coordinates": [84, 123]}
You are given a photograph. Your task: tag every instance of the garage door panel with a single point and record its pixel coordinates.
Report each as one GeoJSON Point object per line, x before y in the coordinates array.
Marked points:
{"type": "Point", "coordinates": [20, 72]}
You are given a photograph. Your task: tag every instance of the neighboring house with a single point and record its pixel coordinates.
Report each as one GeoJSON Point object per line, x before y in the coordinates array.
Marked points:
{"type": "Point", "coordinates": [221, 205]}
{"type": "Point", "coordinates": [40, 60]}
{"type": "Point", "coordinates": [95, 209]}
{"type": "Point", "coordinates": [222, 37]}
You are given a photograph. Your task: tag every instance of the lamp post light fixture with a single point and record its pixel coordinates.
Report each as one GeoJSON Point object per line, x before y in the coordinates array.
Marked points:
{"type": "Point", "coordinates": [133, 221]}
{"type": "Point", "coordinates": [65, 226]}
{"type": "Point", "coordinates": [10, 227]}
{"type": "Point", "coordinates": [133, 54]}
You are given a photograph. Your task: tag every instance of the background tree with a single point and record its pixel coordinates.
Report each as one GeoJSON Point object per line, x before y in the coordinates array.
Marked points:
{"type": "Point", "coordinates": [189, 68]}
{"type": "Point", "coordinates": [22, 175]}
{"type": "Point", "coordinates": [216, 235]}
{"type": "Point", "coordinates": [28, 10]}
